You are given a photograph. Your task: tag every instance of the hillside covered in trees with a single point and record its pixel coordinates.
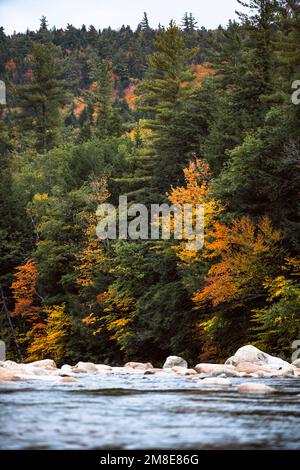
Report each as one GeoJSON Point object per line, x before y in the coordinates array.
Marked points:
{"type": "Point", "coordinates": [176, 114]}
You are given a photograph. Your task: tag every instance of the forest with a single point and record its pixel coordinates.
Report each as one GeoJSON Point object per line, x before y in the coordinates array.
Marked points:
{"type": "Point", "coordinates": [177, 114]}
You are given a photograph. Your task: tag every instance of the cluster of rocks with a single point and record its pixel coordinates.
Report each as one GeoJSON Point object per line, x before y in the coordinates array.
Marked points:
{"type": "Point", "coordinates": [248, 362]}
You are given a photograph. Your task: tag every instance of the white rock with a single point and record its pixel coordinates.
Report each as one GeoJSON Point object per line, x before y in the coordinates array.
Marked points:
{"type": "Point", "coordinates": [10, 364]}
{"type": "Point", "coordinates": [68, 380]}
{"type": "Point", "coordinates": [247, 367]}
{"type": "Point", "coordinates": [47, 363]}
{"type": "Point", "coordinates": [249, 387]}
{"type": "Point", "coordinates": [173, 361]}
{"type": "Point", "coordinates": [66, 368]}
{"type": "Point", "coordinates": [215, 381]}
{"type": "Point", "coordinates": [85, 367]}
{"type": "Point", "coordinates": [137, 370]}
{"type": "Point", "coordinates": [285, 372]}
{"type": "Point", "coordinates": [253, 355]}
{"type": "Point", "coordinates": [103, 368]}
{"type": "Point", "coordinates": [6, 376]}
{"type": "Point", "coordinates": [168, 370]}
{"type": "Point", "coordinates": [225, 372]}
{"type": "Point", "coordinates": [204, 368]}
{"type": "Point", "coordinates": [139, 365]}
{"type": "Point", "coordinates": [118, 370]}
{"type": "Point", "coordinates": [183, 371]}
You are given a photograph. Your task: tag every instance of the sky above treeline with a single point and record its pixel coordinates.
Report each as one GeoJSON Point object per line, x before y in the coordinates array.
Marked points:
{"type": "Point", "coordinates": [18, 15]}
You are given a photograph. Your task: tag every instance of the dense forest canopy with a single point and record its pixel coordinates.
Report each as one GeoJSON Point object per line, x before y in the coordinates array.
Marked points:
{"type": "Point", "coordinates": [178, 114]}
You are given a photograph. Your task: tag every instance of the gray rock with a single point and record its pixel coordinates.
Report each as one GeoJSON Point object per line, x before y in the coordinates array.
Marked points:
{"type": "Point", "coordinates": [139, 365]}
{"type": "Point", "coordinates": [209, 369]}
{"type": "Point", "coordinates": [251, 354]}
{"type": "Point", "coordinates": [225, 373]}
{"type": "Point", "coordinates": [173, 361]}
{"type": "Point", "coordinates": [257, 388]}
{"type": "Point", "coordinates": [85, 367]}
{"type": "Point", "coordinates": [44, 363]}
{"type": "Point", "coordinates": [183, 371]}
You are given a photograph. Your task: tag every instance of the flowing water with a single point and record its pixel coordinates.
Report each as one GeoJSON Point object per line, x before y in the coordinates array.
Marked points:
{"type": "Point", "coordinates": [142, 412]}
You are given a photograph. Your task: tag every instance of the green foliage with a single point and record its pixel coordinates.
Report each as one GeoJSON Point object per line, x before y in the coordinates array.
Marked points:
{"type": "Point", "coordinates": [167, 99]}
{"type": "Point", "coordinates": [97, 114]}
{"type": "Point", "coordinates": [279, 323]}
{"type": "Point", "coordinates": [151, 322]}
{"type": "Point", "coordinates": [40, 100]}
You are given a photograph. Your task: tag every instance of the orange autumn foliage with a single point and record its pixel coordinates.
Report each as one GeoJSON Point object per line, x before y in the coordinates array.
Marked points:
{"type": "Point", "coordinates": [49, 339]}
{"type": "Point", "coordinates": [24, 284]}
{"type": "Point", "coordinates": [79, 106]}
{"type": "Point", "coordinates": [196, 191]}
{"type": "Point", "coordinates": [24, 292]}
{"type": "Point", "coordinates": [196, 176]}
{"type": "Point", "coordinates": [130, 97]}
{"type": "Point", "coordinates": [243, 256]}
{"type": "Point", "coordinates": [201, 71]}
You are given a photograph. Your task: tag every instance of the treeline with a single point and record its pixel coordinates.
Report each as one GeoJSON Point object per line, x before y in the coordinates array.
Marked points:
{"type": "Point", "coordinates": [176, 115]}
{"type": "Point", "coordinates": [80, 47]}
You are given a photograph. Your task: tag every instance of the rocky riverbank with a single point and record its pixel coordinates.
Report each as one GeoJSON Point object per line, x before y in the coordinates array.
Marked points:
{"type": "Point", "coordinates": [248, 362]}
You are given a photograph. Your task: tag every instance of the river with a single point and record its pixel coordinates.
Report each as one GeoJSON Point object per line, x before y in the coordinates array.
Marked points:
{"type": "Point", "coordinates": [108, 411]}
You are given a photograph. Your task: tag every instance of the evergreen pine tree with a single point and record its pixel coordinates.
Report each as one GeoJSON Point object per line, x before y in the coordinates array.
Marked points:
{"type": "Point", "coordinates": [103, 118]}
{"type": "Point", "coordinates": [144, 24]}
{"type": "Point", "coordinates": [41, 100]}
{"type": "Point", "coordinates": [166, 97]}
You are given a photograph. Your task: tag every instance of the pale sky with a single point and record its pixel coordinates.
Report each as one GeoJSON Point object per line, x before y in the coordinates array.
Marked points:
{"type": "Point", "coordinates": [17, 15]}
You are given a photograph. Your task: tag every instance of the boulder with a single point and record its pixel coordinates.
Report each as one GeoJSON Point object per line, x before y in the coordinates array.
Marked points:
{"type": "Point", "coordinates": [173, 361]}
{"type": "Point", "coordinates": [139, 365]}
{"type": "Point", "coordinates": [221, 382]}
{"type": "Point", "coordinates": [251, 354]}
{"type": "Point", "coordinates": [46, 363]}
{"type": "Point", "coordinates": [210, 368]}
{"type": "Point", "coordinates": [66, 368]}
{"type": "Point", "coordinates": [153, 371]}
{"type": "Point", "coordinates": [35, 371]}
{"type": "Point", "coordinates": [183, 371]}
{"type": "Point", "coordinates": [6, 376]}
{"type": "Point", "coordinates": [118, 370]}
{"type": "Point", "coordinates": [249, 387]}
{"type": "Point", "coordinates": [65, 380]}
{"type": "Point", "coordinates": [225, 372]}
{"type": "Point", "coordinates": [85, 367]}
{"type": "Point", "coordinates": [284, 372]}
{"type": "Point", "coordinates": [103, 368]}
{"type": "Point", "coordinates": [247, 367]}
{"type": "Point", "coordinates": [10, 364]}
